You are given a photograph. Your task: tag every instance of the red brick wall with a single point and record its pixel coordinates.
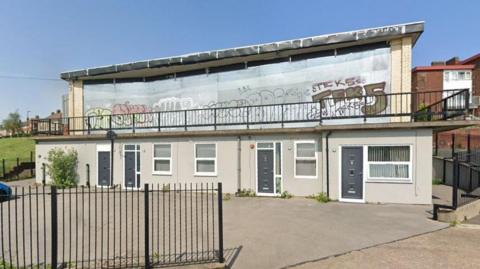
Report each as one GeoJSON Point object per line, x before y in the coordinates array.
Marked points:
{"type": "Point", "coordinates": [427, 81]}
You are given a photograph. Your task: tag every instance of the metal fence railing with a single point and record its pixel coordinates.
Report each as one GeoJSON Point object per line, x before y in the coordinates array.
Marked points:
{"type": "Point", "coordinates": [419, 106]}
{"type": "Point", "coordinates": [18, 168]}
{"type": "Point", "coordinates": [159, 225]}
{"type": "Point", "coordinates": [462, 174]}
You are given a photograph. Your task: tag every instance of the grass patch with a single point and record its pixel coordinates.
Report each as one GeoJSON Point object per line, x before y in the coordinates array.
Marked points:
{"type": "Point", "coordinates": [11, 148]}
{"type": "Point", "coordinates": [320, 197]}
{"type": "Point", "coordinates": [226, 196]}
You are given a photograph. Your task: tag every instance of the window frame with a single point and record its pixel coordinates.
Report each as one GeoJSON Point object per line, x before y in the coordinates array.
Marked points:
{"type": "Point", "coordinates": [170, 159]}
{"type": "Point", "coordinates": [389, 179]}
{"type": "Point", "coordinates": [315, 144]}
{"type": "Point", "coordinates": [205, 174]}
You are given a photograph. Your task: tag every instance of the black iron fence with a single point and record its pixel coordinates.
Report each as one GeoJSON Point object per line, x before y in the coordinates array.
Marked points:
{"type": "Point", "coordinates": [18, 168]}
{"type": "Point", "coordinates": [160, 225]}
{"type": "Point", "coordinates": [348, 104]}
{"type": "Point", "coordinates": [462, 175]}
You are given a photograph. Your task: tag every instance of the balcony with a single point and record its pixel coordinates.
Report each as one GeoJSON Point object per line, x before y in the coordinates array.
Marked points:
{"type": "Point", "coordinates": [351, 108]}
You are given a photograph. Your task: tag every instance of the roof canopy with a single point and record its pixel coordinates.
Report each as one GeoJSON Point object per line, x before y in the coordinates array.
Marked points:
{"type": "Point", "coordinates": [256, 52]}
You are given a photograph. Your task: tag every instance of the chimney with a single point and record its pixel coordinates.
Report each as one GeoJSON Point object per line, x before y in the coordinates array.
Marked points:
{"type": "Point", "coordinates": [436, 63]}
{"type": "Point", "coordinates": [453, 61]}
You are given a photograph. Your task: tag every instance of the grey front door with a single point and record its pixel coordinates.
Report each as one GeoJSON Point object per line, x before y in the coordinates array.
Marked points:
{"type": "Point", "coordinates": [265, 171]}
{"type": "Point", "coordinates": [130, 169]}
{"type": "Point", "coordinates": [104, 168]}
{"type": "Point", "coordinates": [352, 172]}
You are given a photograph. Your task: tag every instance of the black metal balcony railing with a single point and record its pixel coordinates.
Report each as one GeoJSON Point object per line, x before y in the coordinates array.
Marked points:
{"type": "Point", "coordinates": [421, 106]}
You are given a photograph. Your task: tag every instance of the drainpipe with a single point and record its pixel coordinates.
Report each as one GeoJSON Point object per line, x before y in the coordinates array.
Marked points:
{"type": "Point", "coordinates": [239, 164]}
{"type": "Point", "coordinates": [327, 168]}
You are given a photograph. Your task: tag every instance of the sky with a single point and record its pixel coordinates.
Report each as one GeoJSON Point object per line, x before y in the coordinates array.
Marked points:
{"type": "Point", "coordinates": [40, 39]}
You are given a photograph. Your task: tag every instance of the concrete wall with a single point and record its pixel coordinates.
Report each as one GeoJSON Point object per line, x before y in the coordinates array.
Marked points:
{"type": "Point", "coordinates": [419, 191]}
{"type": "Point", "coordinates": [183, 161]}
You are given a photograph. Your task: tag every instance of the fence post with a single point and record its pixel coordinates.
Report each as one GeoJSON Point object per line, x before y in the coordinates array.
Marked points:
{"type": "Point", "coordinates": [54, 226]}
{"type": "Point", "coordinates": [281, 107]}
{"type": "Point", "coordinates": [110, 122]}
{"type": "Point", "coordinates": [456, 173]}
{"type": "Point", "coordinates": [221, 258]}
{"type": "Point", "coordinates": [88, 125]}
{"type": "Point", "coordinates": [88, 174]}
{"type": "Point", "coordinates": [467, 103]}
{"type": "Point", "coordinates": [248, 117]}
{"type": "Point", "coordinates": [444, 169]}
{"type": "Point", "coordinates": [44, 176]}
{"type": "Point", "coordinates": [185, 119]}
{"type": "Point", "coordinates": [215, 118]}
{"type": "Point", "coordinates": [365, 113]}
{"type": "Point", "coordinates": [133, 123]}
{"type": "Point", "coordinates": [31, 161]}
{"type": "Point", "coordinates": [49, 126]}
{"type": "Point", "coordinates": [444, 109]}
{"type": "Point", "coordinates": [159, 122]}
{"type": "Point", "coordinates": [18, 167]}
{"type": "Point", "coordinates": [436, 144]}
{"type": "Point", "coordinates": [147, 235]}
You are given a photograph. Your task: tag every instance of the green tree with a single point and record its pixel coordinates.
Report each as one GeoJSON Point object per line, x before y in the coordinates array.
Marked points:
{"type": "Point", "coordinates": [62, 167]}
{"type": "Point", "coordinates": [12, 123]}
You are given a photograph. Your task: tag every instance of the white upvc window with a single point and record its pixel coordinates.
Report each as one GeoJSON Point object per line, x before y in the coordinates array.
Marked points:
{"type": "Point", "coordinates": [389, 163]}
{"type": "Point", "coordinates": [206, 159]}
{"type": "Point", "coordinates": [162, 159]}
{"type": "Point", "coordinates": [446, 76]}
{"type": "Point", "coordinates": [305, 159]}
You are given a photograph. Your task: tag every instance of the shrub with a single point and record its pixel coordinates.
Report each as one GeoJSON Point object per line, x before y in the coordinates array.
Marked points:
{"type": "Point", "coordinates": [436, 181]}
{"type": "Point", "coordinates": [62, 167]}
{"type": "Point", "coordinates": [246, 193]}
{"type": "Point", "coordinates": [423, 113]}
{"type": "Point", "coordinates": [320, 197]}
{"type": "Point", "coordinates": [286, 195]}
{"type": "Point", "coordinates": [6, 265]}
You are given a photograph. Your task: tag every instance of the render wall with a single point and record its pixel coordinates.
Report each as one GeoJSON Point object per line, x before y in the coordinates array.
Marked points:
{"type": "Point", "coordinates": [183, 161]}
{"type": "Point", "coordinates": [419, 191]}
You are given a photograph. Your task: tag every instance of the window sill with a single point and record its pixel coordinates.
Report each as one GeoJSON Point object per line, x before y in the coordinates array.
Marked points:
{"type": "Point", "coordinates": [204, 175]}
{"type": "Point", "coordinates": [389, 181]}
{"type": "Point", "coordinates": [305, 177]}
{"type": "Point", "coordinates": [162, 173]}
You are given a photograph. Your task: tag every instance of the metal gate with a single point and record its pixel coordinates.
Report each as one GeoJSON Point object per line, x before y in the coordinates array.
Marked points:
{"type": "Point", "coordinates": [160, 225]}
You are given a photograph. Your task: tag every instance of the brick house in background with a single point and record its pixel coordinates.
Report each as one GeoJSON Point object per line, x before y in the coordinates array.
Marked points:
{"type": "Point", "coordinates": [451, 76]}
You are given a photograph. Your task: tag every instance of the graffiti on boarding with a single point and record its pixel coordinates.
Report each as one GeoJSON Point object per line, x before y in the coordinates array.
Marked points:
{"type": "Point", "coordinates": [337, 85]}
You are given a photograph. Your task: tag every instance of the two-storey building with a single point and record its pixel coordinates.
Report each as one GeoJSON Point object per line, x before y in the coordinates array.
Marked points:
{"type": "Point", "coordinates": [331, 113]}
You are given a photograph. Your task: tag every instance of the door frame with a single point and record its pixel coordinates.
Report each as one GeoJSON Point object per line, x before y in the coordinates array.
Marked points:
{"type": "Point", "coordinates": [350, 200]}
{"type": "Point", "coordinates": [274, 150]}
{"type": "Point", "coordinates": [124, 186]}
{"type": "Point", "coordinates": [103, 148]}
